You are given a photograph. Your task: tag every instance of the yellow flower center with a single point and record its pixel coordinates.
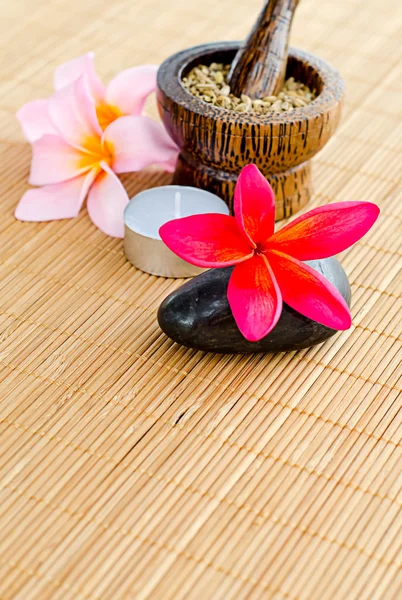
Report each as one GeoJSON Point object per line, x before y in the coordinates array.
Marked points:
{"type": "Point", "coordinates": [107, 114]}
{"type": "Point", "coordinates": [96, 152]}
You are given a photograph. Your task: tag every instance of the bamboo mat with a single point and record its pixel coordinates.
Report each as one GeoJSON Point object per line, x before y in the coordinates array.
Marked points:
{"type": "Point", "coordinates": [134, 468]}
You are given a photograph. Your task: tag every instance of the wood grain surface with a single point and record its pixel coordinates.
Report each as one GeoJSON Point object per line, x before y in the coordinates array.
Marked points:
{"type": "Point", "coordinates": [259, 67]}
{"type": "Point", "coordinates": [217, 143]}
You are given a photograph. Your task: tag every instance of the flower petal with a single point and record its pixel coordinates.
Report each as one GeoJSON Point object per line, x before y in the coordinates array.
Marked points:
{"type": "Point", "coordinates": [138, 142]}
{"type": "Point", "coordinates": [68, 72]}
{"type": "Point", "coordinates": [107, 200]}
{"type": "Point", "coordinates": [59, 201]}
{"type": "Point", "coordinates": [255, 298]}
{"type": "Point", "coordinates": [129, 90]}
{"type": "Point", "coordinates": [54, 161]}
{"type": "Point", "coordinates": [325, 231]}
{"type": "Point", "coordinates": [254, 205]}
{"type": "Point", "coordinates": [308, 292]}
{"type": "Point", "coordinates": [208, 240]}
{"type": "Point", "coordinates": [34, 119]}
{"type": "Point", "coordinates": [72, 111]}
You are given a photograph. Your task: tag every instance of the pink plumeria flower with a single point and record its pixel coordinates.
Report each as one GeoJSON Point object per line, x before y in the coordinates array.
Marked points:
{"type": "Point", "coordinates": [79, 158]}
{"type": "Point", "coordinates": [268, 265]}
{"type": "Point", "coordinates": [125, 95]}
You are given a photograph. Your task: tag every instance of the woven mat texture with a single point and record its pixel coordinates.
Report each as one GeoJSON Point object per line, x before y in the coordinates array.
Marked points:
{"type": "Point", "coordinates": [131, 467]}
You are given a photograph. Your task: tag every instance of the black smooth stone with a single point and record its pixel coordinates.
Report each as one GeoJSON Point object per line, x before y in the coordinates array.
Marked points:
{"type": "Point", "coordinates": [197, 315]}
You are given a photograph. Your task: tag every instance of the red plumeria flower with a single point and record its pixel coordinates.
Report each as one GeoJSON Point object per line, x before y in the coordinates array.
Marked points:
{"type": "Point", "coordinates": [268, 265]}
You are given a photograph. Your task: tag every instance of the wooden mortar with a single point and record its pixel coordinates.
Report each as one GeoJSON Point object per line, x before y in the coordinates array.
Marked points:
{"type": "Point", "coordinates": [217, 143]}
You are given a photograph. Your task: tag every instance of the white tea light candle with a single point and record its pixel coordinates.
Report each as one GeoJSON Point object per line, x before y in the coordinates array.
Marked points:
{"type": "Point", "coordinates": [151, 209]}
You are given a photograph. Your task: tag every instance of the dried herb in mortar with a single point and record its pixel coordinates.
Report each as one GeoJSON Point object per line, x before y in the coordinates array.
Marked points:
{"type": "Point", "coordinates": [209, 83]}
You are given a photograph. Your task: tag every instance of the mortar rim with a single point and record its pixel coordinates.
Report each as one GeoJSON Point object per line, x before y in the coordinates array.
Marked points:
{"type": "Point", "coordinates": [170, 85]}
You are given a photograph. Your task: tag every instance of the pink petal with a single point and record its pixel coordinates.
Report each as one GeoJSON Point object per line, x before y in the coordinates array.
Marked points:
{"type": "Point", "coordinates": [308, 292]}
{"type": "Point", "coordinates": [137, 142]}
{"type": "Point", "coordinates": [53, 161]}
{"type": "Point", "coordinates": [72, 111]}
{"type": "Point", "coordinates": [254, 298]}
{"type": "Point", "coordinates": [59, 201]}
{"type": "Point", "coordinates": [129, 90]}
{"type": "Point", "coordinates": [326, 230]}
{"type": "Point", "coordinates": [254, 205]}
{"type": "Point", "coordinates": [208, 240]}
{"type": "Point", "coordinates": [68, 72]}
{"type": "Point", "coordinates": [34, 120]}
{"type": "Point", "coordinates": [107, 200]}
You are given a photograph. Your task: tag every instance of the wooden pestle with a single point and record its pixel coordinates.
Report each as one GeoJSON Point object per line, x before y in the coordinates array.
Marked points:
{"type": "Point", "coordinates": [259, 68]}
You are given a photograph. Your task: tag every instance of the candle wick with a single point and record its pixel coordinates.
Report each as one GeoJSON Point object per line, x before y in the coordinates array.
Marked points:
{"type": "Point", "coordinates": [177, 201]}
